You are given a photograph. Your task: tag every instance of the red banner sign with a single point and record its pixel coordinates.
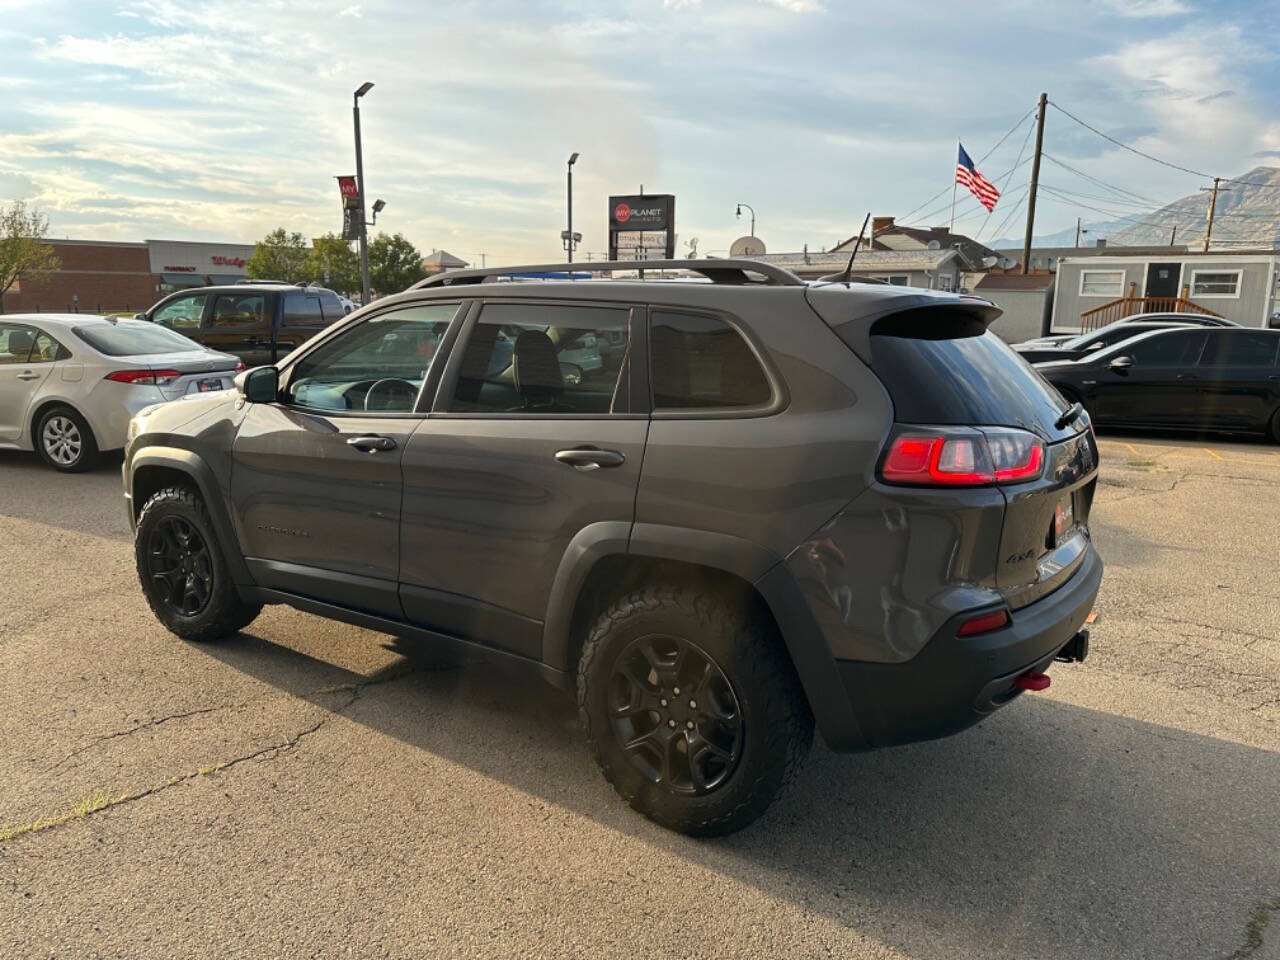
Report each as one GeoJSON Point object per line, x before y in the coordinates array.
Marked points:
{"type": "Point", "coordinates": [347, 187]}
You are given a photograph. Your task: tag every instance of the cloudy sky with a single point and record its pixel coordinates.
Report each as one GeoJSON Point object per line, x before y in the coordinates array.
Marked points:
{"type": "Point", "coordinates": [156, 119]}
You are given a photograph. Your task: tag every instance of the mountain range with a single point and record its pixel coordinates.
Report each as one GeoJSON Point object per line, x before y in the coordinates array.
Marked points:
{"type": "Point", "coordinates": [1247, 216]}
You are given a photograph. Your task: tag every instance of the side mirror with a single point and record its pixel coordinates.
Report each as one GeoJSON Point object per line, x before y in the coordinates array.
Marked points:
{"type": "Point", "coordinates": [140, 316]}
{"type": "Point", "coordinates": [1121, 363]}
{"type": "Point", "coordinates": [259, 385]}
{"type": "Point", "coordinates": [571, 374]}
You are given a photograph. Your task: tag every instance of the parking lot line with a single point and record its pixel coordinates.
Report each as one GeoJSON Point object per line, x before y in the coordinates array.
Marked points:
{"type": "Point", "coordinates": [1214, 455]}
{"type": "Point", "coordinates": [1132, 449]}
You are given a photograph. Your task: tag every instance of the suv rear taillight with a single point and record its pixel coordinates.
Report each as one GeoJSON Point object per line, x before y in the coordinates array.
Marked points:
{"type": "Point", "coordinates": [150, 378]}
{"type": "Point", "coordinates": [923, 459]}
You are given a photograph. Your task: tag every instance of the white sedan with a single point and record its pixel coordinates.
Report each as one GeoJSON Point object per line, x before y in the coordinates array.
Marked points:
{"type": "Point", "coordinates": [70, 383]}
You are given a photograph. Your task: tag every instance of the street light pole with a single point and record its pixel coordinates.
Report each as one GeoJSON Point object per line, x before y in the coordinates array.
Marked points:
{"type": "Point", "coordinates": [364, 229]}
{"type": "Point", "coordinates": [573, 158]}
{"type": "Point", "coordinates": [753, 215]}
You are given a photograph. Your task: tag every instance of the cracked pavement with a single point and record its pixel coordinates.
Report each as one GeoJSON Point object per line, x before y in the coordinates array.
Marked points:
{"type": "Point", "coordinates": [312, 789]}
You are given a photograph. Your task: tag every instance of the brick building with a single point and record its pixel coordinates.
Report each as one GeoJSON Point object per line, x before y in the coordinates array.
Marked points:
{"type": "Point", "coordinates": [95, 276]}
{"type": "Point", "coordinates": [111, 277]}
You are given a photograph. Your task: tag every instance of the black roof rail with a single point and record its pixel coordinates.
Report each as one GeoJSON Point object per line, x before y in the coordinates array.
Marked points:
{"type": "Point", "coordinates": [727, 270]}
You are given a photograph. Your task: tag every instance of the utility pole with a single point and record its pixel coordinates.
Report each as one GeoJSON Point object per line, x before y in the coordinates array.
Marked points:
{"type": "Point", "coordinates": [1213, 202]}
{"type": "Point", "coordinates": [484, 260]}
{"type": "Point", "coordinates": [364, 227]}
{"type": "Point", "coordinates": [1173, 235]}
{"type": "Point", "coordinates": [1035, 182]}
{"type": "Point", "coordinates": [1077, 233]}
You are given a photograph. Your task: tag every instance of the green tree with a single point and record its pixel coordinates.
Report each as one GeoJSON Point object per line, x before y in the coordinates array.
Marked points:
{"type": "Point", "coordinates": [394, 263]}
{"type": "Point", "coordinates": [280, 256]}
{"type": "Point", "coordinates": [22, 254]}
{"type": "Point", "coordinates": [335, 264]}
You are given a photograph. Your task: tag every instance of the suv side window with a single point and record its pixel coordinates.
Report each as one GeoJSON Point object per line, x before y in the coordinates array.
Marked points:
{"type": "Point", "coordinates": [238, 310]}
{"type": "Point", "coordinates": [331, 306]}
{"type": "Point", "coordinates": [543, 358]}
{"type": "Point", "coordinates": [378, 365]}
{"type": "Point", "coordinates": [302, 309]}
{"type": "Point", "coordinates": [1168, 349]}
{"type": "Point", "coordinates": [1240, 349]}
{"type": "Point", "coordinates": [701, 363]}
{"type": "Point", "coordinates": [184, 313]}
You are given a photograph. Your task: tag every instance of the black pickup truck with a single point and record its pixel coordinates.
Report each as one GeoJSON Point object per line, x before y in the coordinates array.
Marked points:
{"type": "Point", "coordinates": [258, 322]}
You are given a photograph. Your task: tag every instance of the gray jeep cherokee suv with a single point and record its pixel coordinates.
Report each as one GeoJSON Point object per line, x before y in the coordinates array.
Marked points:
{"type": "Point", "coordinates": [742, 506]}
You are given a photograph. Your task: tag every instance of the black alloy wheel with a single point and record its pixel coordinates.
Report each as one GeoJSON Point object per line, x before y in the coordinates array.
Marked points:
{"type": "Point", "coordinates": [179, 565]}
{"type": "Point", "coordinates": [675, 714]}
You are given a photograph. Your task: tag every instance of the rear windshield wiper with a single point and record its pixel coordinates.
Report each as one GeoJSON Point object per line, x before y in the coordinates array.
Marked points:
{"type": "Point", "coordinates": [1072, 414]}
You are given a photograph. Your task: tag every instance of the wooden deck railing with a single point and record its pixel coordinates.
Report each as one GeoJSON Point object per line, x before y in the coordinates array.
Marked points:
{"type": "Point", "coordinates": [1127, 306]}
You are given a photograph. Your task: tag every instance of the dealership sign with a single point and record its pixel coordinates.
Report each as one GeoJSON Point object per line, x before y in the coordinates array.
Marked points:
{"type": "Point", "coordinates": [642, 227]}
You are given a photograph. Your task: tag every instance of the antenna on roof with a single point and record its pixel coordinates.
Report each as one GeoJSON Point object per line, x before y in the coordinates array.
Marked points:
{"type": "Point", "coordinates": [848, 270]}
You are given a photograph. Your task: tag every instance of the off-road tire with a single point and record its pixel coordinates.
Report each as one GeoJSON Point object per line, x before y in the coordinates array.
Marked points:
{"type": "Point", "coordinates": [777, 722]}
{"type": "Point", "coordinates": [88, 444]}
{"type": "Point", "coordinates": [224, 614]}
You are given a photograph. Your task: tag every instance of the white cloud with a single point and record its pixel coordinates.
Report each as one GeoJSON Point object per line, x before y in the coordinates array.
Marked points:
{"type": "Point", "coordinates": [1141, 9]}
{"type": "Point", "coordinates": [352, 11]}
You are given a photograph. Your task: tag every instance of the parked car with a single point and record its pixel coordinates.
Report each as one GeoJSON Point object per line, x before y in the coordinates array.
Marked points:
{"type": "Point", "coordinates": [1180, 379]}
{"type": "Point", "coordinates": [1186, 319]}
{"type": "Point", "coordinates": [1087, 343]}
{"type": "Point", "coordinates": [69, 383]}
{"type": "Point", "coordinates": [783, 503]}
{"type": "Point", "coordinates": [259, 321]}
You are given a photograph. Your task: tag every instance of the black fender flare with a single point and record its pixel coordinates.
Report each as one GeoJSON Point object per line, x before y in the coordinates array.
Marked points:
{"type": "Point", "coordinates": [191, 464]}
{"type": "Point", "coordinates": [743, 559]}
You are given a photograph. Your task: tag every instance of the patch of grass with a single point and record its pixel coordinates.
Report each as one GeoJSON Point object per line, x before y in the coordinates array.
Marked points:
{"type": "Point", "coordinates": [1253, 929]}
{"type": "Point", "coordinates": [91, 803]}
{"type": "Point", "coordinates": [1142, 463]}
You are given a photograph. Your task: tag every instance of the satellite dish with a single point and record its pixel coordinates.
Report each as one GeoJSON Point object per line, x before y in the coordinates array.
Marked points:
{"type": "Point", "coordinates": [934, 245]}
{"type": "Point", "coordinates": [746, 247]}
{"type": "Point", "coordinates": [990, 261]}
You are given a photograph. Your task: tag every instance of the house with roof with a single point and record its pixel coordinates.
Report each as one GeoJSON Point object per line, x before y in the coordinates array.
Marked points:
{"type": "Point", "coordinates": [930, 269]}
{"type": "Point", "coordinates": [441, 260]}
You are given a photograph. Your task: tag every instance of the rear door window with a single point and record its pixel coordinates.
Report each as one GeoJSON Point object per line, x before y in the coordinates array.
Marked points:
{"type": "Point", "coordinates": [1240, 349]}
{"type": "Point", "coordinates": [702, 363]}
{"type": "Point", "coordinates": [330, 306]}
{"type": "Point", "coordinates": [943, 370]}
{"type": "Point", "coordinates": [544, 359]}
{"type": "Point", "coordinates": [237, 310]}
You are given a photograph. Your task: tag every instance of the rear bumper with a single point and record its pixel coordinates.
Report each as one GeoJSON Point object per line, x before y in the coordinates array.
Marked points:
{"type": "Point", "coordinates": [954, 682]}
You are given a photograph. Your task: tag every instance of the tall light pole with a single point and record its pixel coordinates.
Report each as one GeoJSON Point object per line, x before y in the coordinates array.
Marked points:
{"type": "Point", "coordinates": [738, 213]}
{"type": "Point", "coordinates": [569, 238]}
{"type": "Point", "coordinates": [364, 229]}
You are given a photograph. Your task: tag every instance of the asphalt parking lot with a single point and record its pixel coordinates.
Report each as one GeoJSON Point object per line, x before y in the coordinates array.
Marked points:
{"type": "Point", "coordinates": [312, 789]}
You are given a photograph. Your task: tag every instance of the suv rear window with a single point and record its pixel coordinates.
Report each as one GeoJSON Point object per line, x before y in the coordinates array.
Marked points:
{"type": "Point", "coordinates": [944, 370]}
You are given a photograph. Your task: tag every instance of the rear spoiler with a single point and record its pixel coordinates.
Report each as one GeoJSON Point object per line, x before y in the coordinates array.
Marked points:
{"type": "Point", "coordinates": [852, 312]}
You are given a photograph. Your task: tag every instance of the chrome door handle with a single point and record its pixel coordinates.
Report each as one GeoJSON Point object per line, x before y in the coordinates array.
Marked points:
{"type": "Point", "coordinates": [371, 443]}
{"type": "Point", "coordinates": [590, 458]}
{"type": "Point", "coordinates": [28, 375]}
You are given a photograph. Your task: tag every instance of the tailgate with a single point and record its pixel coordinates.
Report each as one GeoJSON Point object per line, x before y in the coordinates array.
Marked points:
{"type": "Point", "coordinates": [1046, 533]}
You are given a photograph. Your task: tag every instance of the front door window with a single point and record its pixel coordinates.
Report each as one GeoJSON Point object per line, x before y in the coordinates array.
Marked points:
{"type": "Point", "coordinates": [183, 313]}
{"type": "Point", "coordinates": [376, 366]}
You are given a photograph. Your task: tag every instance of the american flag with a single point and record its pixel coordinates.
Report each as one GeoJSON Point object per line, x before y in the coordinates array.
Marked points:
{"type": "Point", "coordinates": [967, 175]}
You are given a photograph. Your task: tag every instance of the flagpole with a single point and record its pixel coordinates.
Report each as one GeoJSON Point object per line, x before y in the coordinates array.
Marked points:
{"type": "Point", "coordinates": [952, 228]}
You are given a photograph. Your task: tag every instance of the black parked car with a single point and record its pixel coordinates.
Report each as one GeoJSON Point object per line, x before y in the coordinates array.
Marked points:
{"type": "Point", "coordinates": [715, 512]}
{"type": "Point", "coordinates": [257, 321]}
{"type": "Point", "coordinates": [1180, 379]}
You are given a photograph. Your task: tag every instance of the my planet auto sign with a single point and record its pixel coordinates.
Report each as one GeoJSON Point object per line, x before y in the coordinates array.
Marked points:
{"type": "Point", "coordinates": [642, 221]}
{"type": "Point", "coordinates": [641, 213]}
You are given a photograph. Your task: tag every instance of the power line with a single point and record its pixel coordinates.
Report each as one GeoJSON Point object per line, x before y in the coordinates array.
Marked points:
{"type": "Point", "coordinates": [1004, 186]}
{"type": "Point", "coordinates": [980, 160]}
{"type": "Point", "coordinates": [1166, 163]}
{"type": "Point", "coordinates": [1101, 183]}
